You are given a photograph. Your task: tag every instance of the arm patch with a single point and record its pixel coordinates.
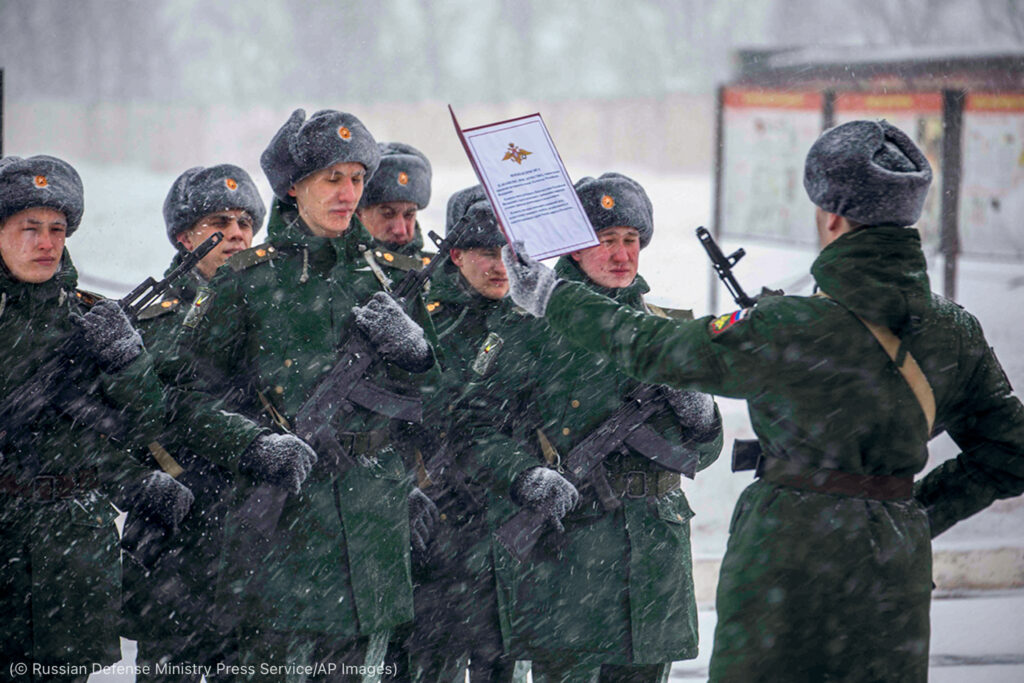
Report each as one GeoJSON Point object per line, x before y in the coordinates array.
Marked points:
{"type": "Point", "coordinates": [724, 322]}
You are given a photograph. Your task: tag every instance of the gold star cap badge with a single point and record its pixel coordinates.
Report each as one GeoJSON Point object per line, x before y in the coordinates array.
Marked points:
{"type": "Point", "coordinates": [40, 181]}
{"type": "Point", "coordinates": [344, 133]}
{"type": "Point", "coordinates": [403, 178]}
{"type": "Point", "coordinates": [231, 183]}
{"type": "Point", "coordinates": [608, 202]}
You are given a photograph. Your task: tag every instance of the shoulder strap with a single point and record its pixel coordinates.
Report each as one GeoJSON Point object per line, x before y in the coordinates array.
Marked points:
{"type": "Point", "coordinates": [910, 370]}
{"type": "Point", "coordinates": [252, 256]}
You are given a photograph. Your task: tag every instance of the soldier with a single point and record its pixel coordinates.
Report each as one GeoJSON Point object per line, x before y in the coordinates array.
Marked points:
{"type": "Point", "coordinates": [455, 594]}
{"type": "Point", "coordinates": [827, 574]}
{"type": "Point", "coordinates": [62, 462]}
{"type": "Point", "coordinates": [333, 579]}
{"type": "Point", "coordinates": [609, 593]}
{"type": "Point", "coordinates": [392, 197]}
{"type": "Point", "coordinates": [169, 601]}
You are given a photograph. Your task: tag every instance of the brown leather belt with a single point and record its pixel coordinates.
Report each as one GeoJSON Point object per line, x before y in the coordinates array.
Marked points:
{"type": "Point", "coordinates": [642, 483]}
{"type": "Point", "coordinates": [821, 480]}
{"type": "Point", "coordinates": [49, 487]}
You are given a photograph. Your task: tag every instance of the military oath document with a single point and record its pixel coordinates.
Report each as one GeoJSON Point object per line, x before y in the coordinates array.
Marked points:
{"type": "Point", "coordinates": [528, 186]}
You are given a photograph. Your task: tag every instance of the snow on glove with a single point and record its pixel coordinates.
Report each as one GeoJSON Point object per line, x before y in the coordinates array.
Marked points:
{"type": "Point", "coordinates": [423, 519]}
{"type": "Point", "coordinates": [396, 336]}
{"type": "Point", "coordinates": [108, 336]}
{"type": "Point", "coordinates": [546, 491]}
{"type": "Point", "coordinates": [530, 283]}
{"type": "Point", "coordinates": [694, 410]}
{"type": "Point", "coordinates": [280, 460]}
{"type": "Point", "coordinates": [163, 499]}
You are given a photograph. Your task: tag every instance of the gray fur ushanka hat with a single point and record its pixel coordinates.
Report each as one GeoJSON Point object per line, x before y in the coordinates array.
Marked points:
{"type": "Point", "coordinates": [41, 181]}
{"type": "Point", "coordinates": [615, 199]}
{"type": "Point", "coordinates": [402, 176]}
{"type": "Point", "coordinates": [482, 229]}
{"type": "Point", "coordinates": [200, 191]}
{"type": "Point", "coordinates": [870, 172]}
{"type": "Point", "coordinates": [303, 146]}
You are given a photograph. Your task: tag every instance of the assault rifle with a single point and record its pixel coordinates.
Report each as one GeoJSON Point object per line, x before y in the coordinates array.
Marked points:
{"type": "Point", "coordinates": [338, 389]}
{"type": "Point", "coordinates": [625, 426]}
{"type": "Point", "coordinates": [723, 266]}
{"type": "Point", "coordinates": [54, 382]}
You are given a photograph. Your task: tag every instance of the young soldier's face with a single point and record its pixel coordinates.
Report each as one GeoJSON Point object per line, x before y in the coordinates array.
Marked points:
{"type": "Point", "coordinates": [237, 227]}
{"type": "Point", "coordinates": [392, 223]}
{"type": "Point", "coordinates": [483, 269]}
{"type": "Point", "coordinates": [614, 262]}
{"type": "Point", "coordinates": [327, 199]}
{"type": "Point", "coordinates": [32, 242]}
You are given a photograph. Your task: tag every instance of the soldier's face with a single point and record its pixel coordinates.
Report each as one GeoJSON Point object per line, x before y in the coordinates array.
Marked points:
{"type": "Point", "coordinates": [237, 227]}
{"type": "Point", "coordinates": [327, 199]}
{"type": "Point", "coordinates": [614, 262]}
{"type": "Point", "coordinates": [32, 242]}
{"type": "Point", "coordinates": [483, 269]}
{"type": "Point", "coordinates": [393, 223]}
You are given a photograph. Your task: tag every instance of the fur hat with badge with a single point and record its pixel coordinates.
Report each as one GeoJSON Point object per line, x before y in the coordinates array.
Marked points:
{"type": "Point", "coordinates": [869, 172]}
{"type": "Point", "coordinates": [43, 181]}
{"type": "Point", "coordinates": [303, 147]}
{"type": "Point", "coordinates": [201, 191]}
{"type": "Point", "coordinates": [402, 176]}
{"type": "Point", "coordinates": [482, 229]}
{"type": "Point", "coordinates": [613, 200]}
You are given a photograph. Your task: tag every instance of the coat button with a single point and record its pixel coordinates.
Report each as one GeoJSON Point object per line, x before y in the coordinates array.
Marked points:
{"type": "Point", "coordinates": [574, 403]}
{"type": "Point", "coordinates": [288, 362]}
{"type": "Point", "coordinates": [565, 431]}
{"type": "Point", "coordinates": [279, 389]}
{"type": "Point", "coordinates": [443, 516]}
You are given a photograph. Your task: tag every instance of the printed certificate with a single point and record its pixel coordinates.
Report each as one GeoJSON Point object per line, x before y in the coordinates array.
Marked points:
{"type": "Point", "coordinates": [527, 184]}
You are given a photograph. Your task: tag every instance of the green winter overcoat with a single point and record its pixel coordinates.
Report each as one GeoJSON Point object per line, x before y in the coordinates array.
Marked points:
{"type": "Point", "coordinates": [617, 584]}
{"type": "Point", "coordinates": [175, 595]}
{"type": "Point", "coordinates": [818, 586]}
{"type": "Point", "coordinates": [269, 325]}
{"type": "Point", "coordinates": [59, 564]}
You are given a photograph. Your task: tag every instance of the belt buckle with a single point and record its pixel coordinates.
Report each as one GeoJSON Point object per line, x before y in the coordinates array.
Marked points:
{"type": "Point", "coordinates": [47, 483]}
{"type": "Point", "coordinates": [632, 491]}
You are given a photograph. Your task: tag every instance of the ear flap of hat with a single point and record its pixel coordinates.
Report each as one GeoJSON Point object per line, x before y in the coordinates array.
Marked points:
{"type": "Point", "coordinates": [277, 160]}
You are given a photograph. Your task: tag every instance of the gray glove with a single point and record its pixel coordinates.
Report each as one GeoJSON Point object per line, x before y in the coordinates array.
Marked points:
{"type": "Point", "coordinates": [694, 410]}
{"type": "Point", "coordinates": [396, 336]}
{"type": "Point", "coordinates": [546, 491]}
{"type": "Point", "coordinates": [423, 519]}
{"type": "Point", "coordinates": [530, 283]}
{"type": "Point", "coordinates": [163, 499]}
{"type": "Point", "coordinates": [108, 336]}
{"type": "Point", "coordinates": [280, 460]}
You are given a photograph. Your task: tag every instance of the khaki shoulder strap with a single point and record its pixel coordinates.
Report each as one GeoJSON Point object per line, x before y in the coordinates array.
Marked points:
{"type": "Point", "coordinates": [166, 461]}
{"type": "Point", "coordinates": [911, 371]}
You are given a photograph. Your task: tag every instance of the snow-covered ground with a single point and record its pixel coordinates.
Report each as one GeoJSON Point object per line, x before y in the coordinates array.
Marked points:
{"type": "Point", "coordinates": [123, 240]}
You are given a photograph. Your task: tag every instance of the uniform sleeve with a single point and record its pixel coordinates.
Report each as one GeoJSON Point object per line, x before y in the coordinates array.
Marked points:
{"type": "Point", "coordinates": [988, 425]}
{"type": "Point", "coordinates": [681, 354]}
{"type": "Point", "coordinates": [206, 372]}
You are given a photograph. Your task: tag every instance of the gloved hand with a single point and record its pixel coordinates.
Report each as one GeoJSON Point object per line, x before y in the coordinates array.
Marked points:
{"type": "Point", "coordinates": [546, 491]}
{"type": "Point", "coordinates": [423, 519]}
{"type": "Point", "coordinates": [163, 499]}
{"type": "Point", "coordinates": [530, 283]}
{"type": "Point", "coordinates": [280, 460]}
{"type": "Point", "coordinates": [396, 336]}
{"type": "Point", "coordinates": [694, 410]}
{"type": "Point", "coordinates": [108, 336]}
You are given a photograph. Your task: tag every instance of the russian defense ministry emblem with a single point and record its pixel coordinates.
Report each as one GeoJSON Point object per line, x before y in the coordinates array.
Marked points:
{"type": "Point", "coordinates": [487, 354]}
{"type": "Point", "coordinates": [199, 307]}
{"type": "Point", "coordinates": [516, 154]}
{"type": "Point", "coordinates": [724, 322]}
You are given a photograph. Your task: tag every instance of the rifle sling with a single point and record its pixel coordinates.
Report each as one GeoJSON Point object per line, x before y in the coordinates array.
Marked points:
{"type": "Point", "coordinates": [387, 403]}
{"type": "Point", "coordinates": [658, 450]}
